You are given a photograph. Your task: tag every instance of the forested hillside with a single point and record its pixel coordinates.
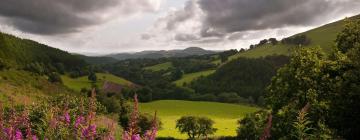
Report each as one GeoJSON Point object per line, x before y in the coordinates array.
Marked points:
{"type": "Point", "coordinates": [241, 78]}
{"type": "Point", "coordinates": [26, 54]}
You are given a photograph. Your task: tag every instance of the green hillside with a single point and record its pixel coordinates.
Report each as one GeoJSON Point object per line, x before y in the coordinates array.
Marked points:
{"type": "Point", "coordinates": [17, 52]}
{"type": "Point", "coordinates": [159, 67]}
{"type": "Point", "coordinates": [22, 87]}
{"type": "Point", "coordinates": [187, 78]}
{"type": "Point", "coordinates": [82, 82]}
{"type": "Point", "coordinates": [97, 59]}
{"type": "Point", "coordinates": [323, 36]}
{"type": "Point", "coordinates": [224, 115]}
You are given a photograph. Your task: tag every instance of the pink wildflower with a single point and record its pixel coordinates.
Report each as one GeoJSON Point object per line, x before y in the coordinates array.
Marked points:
{"type": "Point", "coordinates": [135, 137]}
{"type": "Point", "coordinates": [79, 121]}
{"type": "Point", "coordinates": [18, 135]}
{"type": "Point", "coordinates": [126, 136]}
{"type": "Point", "coordinates": [89, 132]}
{"type": "Point", "coordinates": [67, 117]}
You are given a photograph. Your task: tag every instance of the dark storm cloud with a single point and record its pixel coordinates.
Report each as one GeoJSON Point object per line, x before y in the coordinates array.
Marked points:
{"type": "Point", "coordinates": [60, 16]}
{"type": "Point", "coordinates": [227, 16]}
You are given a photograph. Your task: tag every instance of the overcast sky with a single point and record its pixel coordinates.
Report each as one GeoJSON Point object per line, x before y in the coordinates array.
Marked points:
{"type": "Point", "coordinates": [111, 26]}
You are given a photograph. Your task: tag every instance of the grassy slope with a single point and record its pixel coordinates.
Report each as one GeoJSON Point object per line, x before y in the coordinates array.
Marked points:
{"type": "Point", "coordinates": [187, 78]}
{"type": "Point", "coordinates": [159, 67]}
{"type": "Point", "coordinates": [83, 82]}
{"type": "Point", "coordinates": [224, 115]}
{"type": "Point", "coordinates": [323, 36]}
{"type": "Point", "coordinates": [22, 87]}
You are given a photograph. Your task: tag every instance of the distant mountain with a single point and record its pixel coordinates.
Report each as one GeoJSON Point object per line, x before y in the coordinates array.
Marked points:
{"type": "Point", "coordinates": [191, 51]}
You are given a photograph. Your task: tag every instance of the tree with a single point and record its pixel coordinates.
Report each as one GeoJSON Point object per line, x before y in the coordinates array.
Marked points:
{"type": "Point", "coordinates": [195, 127]}
{"type": "Point", "coordinates": [309, 79]}
{"type": "Point", "coordinates": [176, 74]}
{"type": "Point", "coordinates": [263, 42]}
{"type": "Point", "coordinates": [92, 77]}
{"type": "Point", "coordinates": [54, 78]}
{"type": "Point", "coordinates": [205, 127]}
{"type": "Point", "coordinates": [273, 41]}
{"type": "Point", "coordinates": [349, 37]}
{"type": "Point", "coordinates": [252, 126]}
{"type": "Point", "coordinates": [224, 58]}
{"type": "Point", "coordinates": [188, 125]}
{"type": "Point", "coordinates": [345, 110]}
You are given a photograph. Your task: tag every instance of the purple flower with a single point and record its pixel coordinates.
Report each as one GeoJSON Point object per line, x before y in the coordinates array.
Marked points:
{"type": "Point", "coordinates": [18, 135]}
{"type": "Point", "coordinates": [34, 137]}
{"type": "Point", "coordinates": [125, 136]}
{"type": "Point", "coordinates": [89, 131]}
{"type": "Point", "coordinates": [79, 121]}
{"type": "Point", "coordinates": [135, 137]}
{"type": "Point", "coordinates": [67, 117]}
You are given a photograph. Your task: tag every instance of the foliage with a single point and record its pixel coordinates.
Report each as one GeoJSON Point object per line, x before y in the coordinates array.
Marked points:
{"type": "Point", "coordinates": [92, 77]}
{"type": "Point", "coordinates": [245, 77]}
{"type": "Point", "coordinates": [300, 40]}
{"type": "Point", "coordinates": [226, 54]}
{"type": "Point", "coordinates": [251, 127]}
{"type": "Point", "coordinates": [54, 78]}
{"type": "Point", "coordinates": [136, 132]}
{"type": "Point", "coordinates": [30, 55]}
{"type": "Point", "coordinates": [57, 118]}
{"type": "Point", "coordinates": [301, 125]}
{"type": "Point", "coordinates": [195, 127]}
{"type": "Point", "coordinates": [176, 74]}
{"type": "Point", "coordinates": [349, 37]}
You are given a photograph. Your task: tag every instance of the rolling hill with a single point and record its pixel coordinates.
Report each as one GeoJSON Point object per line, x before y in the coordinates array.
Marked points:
{"type": "Point", "coordinates": [224, 115]}
{"type": "Point", "coordinates": [187, 78]}
{"type": "Point", "coordinates": [17, 53]}
{"type": "Point", "coordinates": [323, 36]}
{"type": "Point", "coordinates": [191, 51]}
{"type": "Point", "coordinates": [82, 82]}
{"type": "Point", "coordinates": [159, 67]}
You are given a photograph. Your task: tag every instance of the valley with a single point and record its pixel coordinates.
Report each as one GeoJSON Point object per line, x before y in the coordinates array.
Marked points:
{"type": "Point", "coordinates": [276, 86]}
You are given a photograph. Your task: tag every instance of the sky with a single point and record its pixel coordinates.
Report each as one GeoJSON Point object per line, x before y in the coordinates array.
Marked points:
{"type": "Point", "coordinates": [97, 27]}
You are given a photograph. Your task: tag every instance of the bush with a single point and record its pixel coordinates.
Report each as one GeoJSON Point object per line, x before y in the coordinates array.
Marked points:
{"type": "Point", "coordinates": [251, 127]}
{"type": "Point", "coordinates": [54, 78]}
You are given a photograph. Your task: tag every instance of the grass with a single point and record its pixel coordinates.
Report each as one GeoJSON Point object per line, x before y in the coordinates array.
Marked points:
{"type": "Point", "coordinates": [323, 36]}
{"type": "Point", "coordinates": [187, 78]}
{"type": "Point", "coordinates": [82, 82]}
{"type": "Point", "coordinates": [159, 67]}
{"type": "Point", "coordinates": [25, 88]}
{"type": "Point", "coordinates": [224, 115]}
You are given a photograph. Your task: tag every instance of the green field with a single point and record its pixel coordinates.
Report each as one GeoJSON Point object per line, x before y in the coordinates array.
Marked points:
{"type": "Point", "coordinates": [159, 67]}
{"type": "Point", "coordinates": [83, 82]}
{"type": "Point", "coordinates": [224, 115]}
{"type": "Point", "coordinates": [187, 78]}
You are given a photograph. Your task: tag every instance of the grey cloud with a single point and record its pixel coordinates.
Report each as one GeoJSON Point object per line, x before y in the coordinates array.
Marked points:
{"type": "Point", "coordinates": [209, 41]}
{"type": "Point", "coordinates": [185, 37]}
{"type": "Point", "coordinates": [227, 16]}
{"type": "Point", "coordinates": [145, 36]}
{"type": "Point", "coordinates": [63, 16]}
{"type": "Point", "coordinates": [175, 18]}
